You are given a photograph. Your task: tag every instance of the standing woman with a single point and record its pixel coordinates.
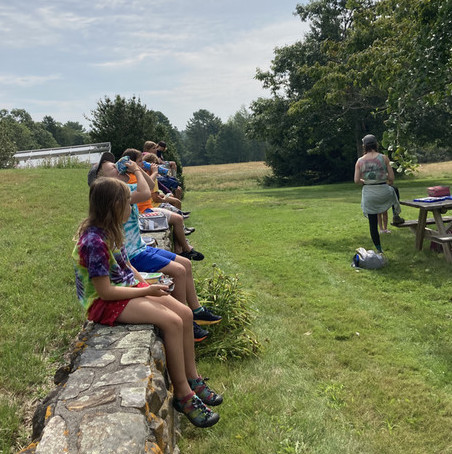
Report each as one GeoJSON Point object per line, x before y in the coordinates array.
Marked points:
{"type": "Point", "coordinates": [373, 170]}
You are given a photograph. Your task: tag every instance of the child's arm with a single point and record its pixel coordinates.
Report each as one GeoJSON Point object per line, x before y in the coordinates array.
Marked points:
{"type": "Point", "coordinates": [109, 292]}
{"type": "Point", "coordinates": [156, 197]}
{"type": "Point", "coordinates": [143, 191]}
{"type": "Point", "coordinates": [150, 178]}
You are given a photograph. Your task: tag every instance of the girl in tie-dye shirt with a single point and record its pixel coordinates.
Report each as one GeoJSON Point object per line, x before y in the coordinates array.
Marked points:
{"type": "Point", "coordinates": [112, 291]}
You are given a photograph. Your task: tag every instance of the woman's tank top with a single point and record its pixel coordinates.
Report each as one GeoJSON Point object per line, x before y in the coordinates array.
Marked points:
{"type": "Point", "coordinates": [374, 170]}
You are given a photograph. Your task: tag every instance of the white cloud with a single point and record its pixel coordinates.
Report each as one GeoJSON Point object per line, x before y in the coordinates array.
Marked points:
{"type": "Point", "coordinates": [177, 56]}
{"type": "Point", "coordinates": [27, 81]}
{"type": "Point", "coordinates": [220, 78]}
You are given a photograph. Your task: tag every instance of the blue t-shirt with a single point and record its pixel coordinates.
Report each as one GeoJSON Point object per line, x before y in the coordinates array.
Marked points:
{"type": "Point", "coordinates": [134, 242]}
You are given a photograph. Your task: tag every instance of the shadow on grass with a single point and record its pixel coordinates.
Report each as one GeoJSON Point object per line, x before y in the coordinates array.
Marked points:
{"type": "Point", "coordinates": [404, 262]}
{"type": "Point", "coordinates": [414, 187]}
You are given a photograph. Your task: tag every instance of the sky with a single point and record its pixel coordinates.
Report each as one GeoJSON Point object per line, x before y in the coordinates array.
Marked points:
{"type": "Point", "coordinates": [60, 57]}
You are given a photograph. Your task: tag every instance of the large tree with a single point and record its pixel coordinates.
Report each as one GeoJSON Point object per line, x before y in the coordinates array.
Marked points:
{"type": "Point", "coordinates": [341, 82]}
{"type": "Point", "coordinates": [26, 134]}
{"type": "Point", "coordinates": [199, 128]}
{"type": "Point", "coordinates": [71, 133]}
{"type": "Point", "coordinates": [126, 123]}
{"type": "Point", "coordinates": [420, 99]}
{"type": "Point", "coordinates": [7, 146]}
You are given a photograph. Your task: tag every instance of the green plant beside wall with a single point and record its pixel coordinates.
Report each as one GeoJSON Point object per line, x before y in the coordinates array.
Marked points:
{"type": "Point", "coordinates": [232, 338]}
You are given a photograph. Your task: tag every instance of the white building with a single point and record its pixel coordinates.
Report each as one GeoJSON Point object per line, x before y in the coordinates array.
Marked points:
{"type": "Point", "coordinates": [84, 153]}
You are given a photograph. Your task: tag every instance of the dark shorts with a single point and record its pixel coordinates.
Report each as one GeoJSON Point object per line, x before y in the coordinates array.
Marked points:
{"type": "Point", "coordinates": [106, 312]}
{"type": "Point", "coordinates": [170, 182]}
{"type": "Point", "coordinates": [152, 259]}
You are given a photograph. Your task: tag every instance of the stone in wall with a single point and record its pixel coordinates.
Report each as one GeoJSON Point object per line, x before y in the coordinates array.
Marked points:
{"type": "Point", "coordinates": [113, 397]}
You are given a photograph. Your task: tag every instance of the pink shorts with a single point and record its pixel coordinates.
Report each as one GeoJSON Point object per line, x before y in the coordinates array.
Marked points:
{"type": "Point", "coordinates": [106, 312]}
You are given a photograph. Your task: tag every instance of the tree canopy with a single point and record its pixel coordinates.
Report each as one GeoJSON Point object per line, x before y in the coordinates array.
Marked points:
{"type": "Point", "coordinates": [19, 132]}
{"type": "Point", "coordinates": [128, 123]}
{"type": "Point", "coordinates": [207, 140]}
{"type": "Point", "coordinates": [362, 68]}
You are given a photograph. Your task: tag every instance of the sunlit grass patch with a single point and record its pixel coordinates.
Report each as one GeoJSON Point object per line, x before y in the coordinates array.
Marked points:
{"type": "Point", "coordinates": [350, 361]}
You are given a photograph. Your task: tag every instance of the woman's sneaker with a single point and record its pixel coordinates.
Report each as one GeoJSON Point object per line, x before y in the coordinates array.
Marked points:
{"type": "Point", "coordinates": [198, 385]}
{"type": "Point", "coordinates": [397, 220]}
{"type": "Point", "coordinates": [196, 411]}
{"type": "Point", "coordinates": [206, 317]}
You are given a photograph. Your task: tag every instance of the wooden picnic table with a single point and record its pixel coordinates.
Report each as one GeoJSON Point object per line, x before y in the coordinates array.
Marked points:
{"type": "Point", "coordinates": [440, 235]}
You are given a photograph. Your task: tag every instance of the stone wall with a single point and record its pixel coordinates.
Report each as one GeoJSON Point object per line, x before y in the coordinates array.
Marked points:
{"type": "Point", "coordinates": [114, 396]}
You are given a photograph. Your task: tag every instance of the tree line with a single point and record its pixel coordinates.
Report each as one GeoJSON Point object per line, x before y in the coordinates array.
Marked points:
{"type": "Point", "coordinates": [129, 123]}
{"type": "Point", "coordinates": [365, 66]}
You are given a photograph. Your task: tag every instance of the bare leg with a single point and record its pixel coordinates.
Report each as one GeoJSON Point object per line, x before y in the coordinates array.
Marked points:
{"type": "Point", "coordinates": [184, 287]}
{"type": "Point", "coordinates": [178, 272]}
{"type": "Point", "coordinates": [178, 193]}
{"type": "Point", "coordinates": [174, 201]}
{"type": "Point", "coordinates": [192, 297]}
{"type": "Point", "coordinates": [380, 221]}
{"type": "Point", "coordinates": [177, 221]}
{"type": "Point", "coordinates": [385, 220]}
{"type": "Point", "coordinates": [175, 321]}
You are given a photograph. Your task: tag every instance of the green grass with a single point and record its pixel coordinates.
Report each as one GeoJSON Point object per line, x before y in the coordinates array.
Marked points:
{"type": "Point", "coordinates": [352, 361]}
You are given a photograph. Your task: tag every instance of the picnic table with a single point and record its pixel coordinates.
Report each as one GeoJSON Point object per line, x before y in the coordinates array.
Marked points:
{"type": "Point", "coordinates": [442, 223]}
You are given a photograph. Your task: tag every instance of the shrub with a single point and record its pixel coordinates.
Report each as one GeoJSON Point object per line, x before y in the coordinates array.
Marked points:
{"type": "Point", "coordinates": [232, 338]}
{"type": "Point", "coordinates": [63, 162]}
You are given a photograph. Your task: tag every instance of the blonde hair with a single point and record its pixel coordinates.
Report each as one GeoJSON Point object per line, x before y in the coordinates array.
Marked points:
{"type": "Point", "coordinates": [149, 145]}
{"type": "Point", "coordinates": [151, 157]}
{"type": "Point", "coordinates": [108, 200]}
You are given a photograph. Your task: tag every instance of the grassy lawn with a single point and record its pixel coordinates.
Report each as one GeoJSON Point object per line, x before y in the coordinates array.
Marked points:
{"type": "Point", "coordinates": [353, 361]}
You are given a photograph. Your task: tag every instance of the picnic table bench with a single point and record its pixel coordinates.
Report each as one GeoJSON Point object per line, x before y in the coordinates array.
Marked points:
{"type": "Point", "coordinates": [428, 221]}
{"type": "Point", "coordinates": [418, 227]}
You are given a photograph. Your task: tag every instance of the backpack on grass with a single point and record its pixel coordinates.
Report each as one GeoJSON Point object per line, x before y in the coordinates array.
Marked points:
{"type": "Point", "coordinates": [369, 260]}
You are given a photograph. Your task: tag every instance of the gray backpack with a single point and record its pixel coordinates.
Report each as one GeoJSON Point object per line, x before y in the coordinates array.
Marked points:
{"type": "Point", "coordinates": [370, 260]}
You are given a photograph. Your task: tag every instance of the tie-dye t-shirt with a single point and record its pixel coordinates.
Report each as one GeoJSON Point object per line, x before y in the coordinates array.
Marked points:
{"type": "Point", "coordinates": [93, 258]}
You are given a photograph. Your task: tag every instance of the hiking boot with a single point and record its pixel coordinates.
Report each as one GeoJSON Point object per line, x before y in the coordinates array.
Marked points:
{"type": "Point", "coordinates": [206, 317]}
{"type": "Point", "coordinates": [199, 334]}
{"type": "Point", "coordinates": [192, 255]}
{"type": "Point", "coordinates": [209, 397]}
{"type": "Point", "coordinates": [196, 411]}
{"type": "Point", "coordinates": [396, 220]}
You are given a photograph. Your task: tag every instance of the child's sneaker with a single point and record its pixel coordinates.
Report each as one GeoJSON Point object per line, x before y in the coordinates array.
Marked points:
{"type": "Point", "coordinates": [195, 410]}
{"type": "Point", "coordinates": [198, 385]}
{"type": "Point", "coordinates": [206, 317]}
{"type": "Point", "coordinates": [199, 334]}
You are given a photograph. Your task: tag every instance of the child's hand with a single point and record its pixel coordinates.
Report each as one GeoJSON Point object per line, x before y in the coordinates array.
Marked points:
{"type": "Point", "coordinates": [158, 290]}
{"type": "Point", "coordinates": [132, 166]}
{"type": "Point", "coordinates": [154, 169]}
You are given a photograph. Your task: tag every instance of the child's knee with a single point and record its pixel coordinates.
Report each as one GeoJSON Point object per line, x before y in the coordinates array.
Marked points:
{"type": "Point", "coordinates": [173, 323]}
{"type": "Point", "coordinates": [186, 315]}
{"type": "Point", "coordinates": [179, 270]}
{"type": "Point", "coordinates": [185, 263]}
